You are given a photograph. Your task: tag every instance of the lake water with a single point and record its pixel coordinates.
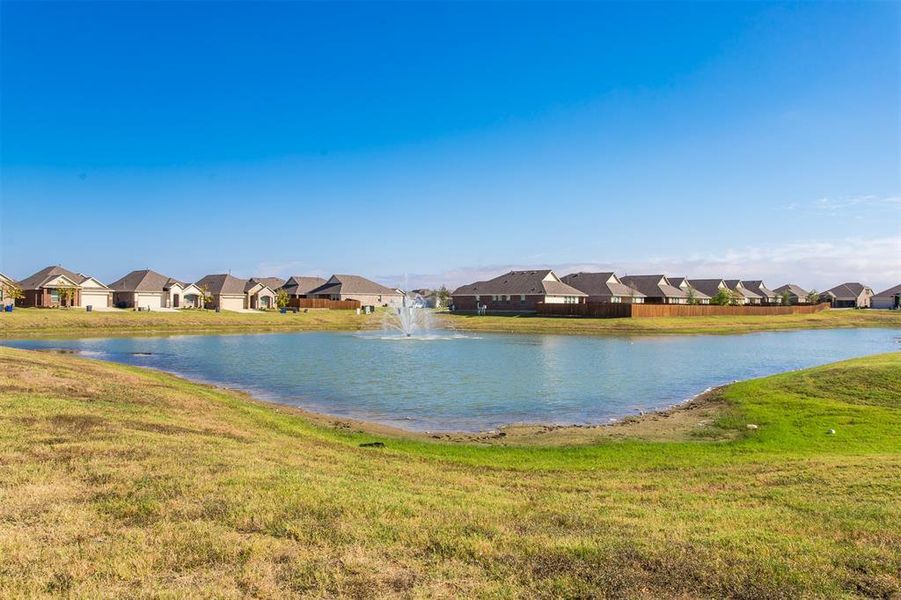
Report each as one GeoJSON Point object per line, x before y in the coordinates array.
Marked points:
{"type": "Point", "coordinates": [477, 382]}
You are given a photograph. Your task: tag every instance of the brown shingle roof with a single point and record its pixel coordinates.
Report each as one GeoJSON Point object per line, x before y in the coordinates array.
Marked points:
{"type": "Point", "coordinates": [530, 283]}
{"type": "Point", "coordinates": [679, 282]}
{"type": "Point", "coordinates": [600, 284]}
{"type": "Point", "coordinates": [222, 283]}
{"type": "Point", "coordinates": [144, 280]}
{"type": "Point", "coordinates": [353, 284]}
{"type": "Point", "coordinates": [273, 283]}
{"type": "Point", "coordinates": [737, 286]}
{"type": "Point", "coordinates": [38, 279]}
{"type": "Point", "coordinates": [298, 285]}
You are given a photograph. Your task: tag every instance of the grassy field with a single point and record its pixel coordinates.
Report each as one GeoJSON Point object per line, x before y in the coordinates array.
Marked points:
{"type": "Point", "coordinates": [563, 325]}
{"type": "Point", "coordinates": [35, 321]}
{"type": "Point", "coordinates": [115, 481]}
{"type": "Point", "coordinates": [43, 322]}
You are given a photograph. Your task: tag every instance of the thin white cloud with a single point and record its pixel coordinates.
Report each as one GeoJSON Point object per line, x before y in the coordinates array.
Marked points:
{"type": "Point", "coordinates": [835, 205]}
{"type": "Point", "coordinates": [818, 264]}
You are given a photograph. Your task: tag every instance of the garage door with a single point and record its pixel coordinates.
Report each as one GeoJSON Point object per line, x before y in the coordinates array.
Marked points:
{"type": "Point", "coordinates": [231, 303]}
{"type": "Point", "coordinates": [95, 299]}
{"type": "Point", "coordinates": [149, 300]}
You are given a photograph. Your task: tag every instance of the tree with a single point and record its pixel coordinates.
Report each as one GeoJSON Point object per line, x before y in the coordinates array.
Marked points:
{"type": "Point", "coordinates": [442, 297]}
{"type": "Point", "coordinates": [813, 297]}
{"type": "Point", "coordinates": [67, 295]}
{"type": "Point", "coordinates": [692, 296]}
{"type": "Point", "coordinates": [13, 291]}
{"type": "Point", "coordinates": [205, 296]}
{"type": "Point", "coordinates": [722, 297]}
{"type": "Point", "coordinates": [786, 298]}
{"type": "Point", "coordinates": [281, 298]}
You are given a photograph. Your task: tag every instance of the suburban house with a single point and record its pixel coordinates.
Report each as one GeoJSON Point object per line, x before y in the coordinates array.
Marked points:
{"type": "Point", "coordinates": [516, 291]}
{"type": "Point", "coordinates": [150, 290]}
{"type": "Point", "coordinates": [757, 286]}
{"type": "Point", "coordinates": [656, 289]}
{"type": "Point", "coordinates": [354, 287]}
{"type": "Point", "coordinates": [603, 288]}
{"type": "Point", "coordinates": [43, 289]}
{"type": "Point", "coordinates": [848, 295]}
{"type": "Point", "coordinates": [298, 287]}
{"type": "Point", "coordinates": [747, 296]}
{"type": "Point", "coordinates": [696, 295]}
{"type": "Point", "coordinates": [232, 293]}
{"type": "Point", "coordinates": [796, 294]}
{"type": "Point", "coordinates": [5, 284]}
{"type": "Point", "coordinates": [890, 298]}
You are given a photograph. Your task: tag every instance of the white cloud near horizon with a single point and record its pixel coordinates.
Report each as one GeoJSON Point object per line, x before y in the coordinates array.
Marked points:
{"type": "Point", "coordinates": [815, 264]}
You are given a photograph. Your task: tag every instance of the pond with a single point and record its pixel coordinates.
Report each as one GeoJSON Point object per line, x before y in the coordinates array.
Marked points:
{"type": "Point", "coordinates": [451, 382]}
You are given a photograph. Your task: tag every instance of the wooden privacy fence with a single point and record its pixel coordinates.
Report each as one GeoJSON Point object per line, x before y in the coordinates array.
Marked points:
{"type": "Point", "coordinates": [613, 311]}
{"type": "Point", "coordinates": [323, 303]}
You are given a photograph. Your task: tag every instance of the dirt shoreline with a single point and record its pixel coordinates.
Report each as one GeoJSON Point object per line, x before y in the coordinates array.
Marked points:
{"type": "Point", "coordinates": [691, 419]}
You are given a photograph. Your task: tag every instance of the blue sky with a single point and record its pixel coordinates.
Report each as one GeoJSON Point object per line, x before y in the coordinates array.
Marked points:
{"type": "Point", "coordinates": [438, 143]}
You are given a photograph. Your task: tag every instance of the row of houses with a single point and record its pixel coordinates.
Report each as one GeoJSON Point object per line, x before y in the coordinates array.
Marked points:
{"type": "Point", "coordinates": [522, 291]}
{"type": "Point", "coordinates": [146, 289]}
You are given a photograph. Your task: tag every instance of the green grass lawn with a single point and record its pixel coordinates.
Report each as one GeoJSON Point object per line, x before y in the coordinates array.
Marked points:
{"type": "Point", "coordinates": [43, 322]}
{"type": "Point", "coordinates": [116, 481]}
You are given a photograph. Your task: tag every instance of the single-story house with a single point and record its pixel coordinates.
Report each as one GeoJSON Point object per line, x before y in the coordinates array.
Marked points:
{"type": "Point", "coordinates": [298, 287]}
{"type": "Point", "coordinates": [848, 295]}
{"type": "Point", "coordinates": [890, 298]}
{"type": "Point", "coordinates": [796, 294]}
{"type": "Point", "coordinates": [748, 296]}
{"type": "Point", "coordinates": [757, 286]}
{"type": "Point", "coordinates": [233, 293]}
{"type": "Point", "coordinates": [682, 283]}
{"type": "Point", "coordinates": [708, 287]}
{"type": "Point", "coordinates": [656, 289]}
{"type": "Point", "coordinates": [354, 287]}
{"type": "Point", "coordinates": [516, 291]}
{"type": "Point", "coordinates": [6, 285]}
{"type": "Point", "coordinates": [150, 290]}
{"type": "Point", "coordinates": [42, 289]}
{"type": "Point", "coordinates": [605, 288]}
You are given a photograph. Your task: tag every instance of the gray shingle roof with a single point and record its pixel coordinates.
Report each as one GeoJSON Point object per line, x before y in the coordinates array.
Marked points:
{"type": "Point", "coordinates": [847, 291]}
{"type": "Point", "coordinates": [600, 284]}
{"type": "Point", "coordinates": [889, 293]}
{"type": "Point", "coordinates": [792, 289]}
{"type": "Point", "coordinates": [144, 280]}
{"type": "Point", "coordinates": [706, 286]}
{"type": "Point", "coordinates": [758, 287]}
{"type": "Point", "coordinates": [653, 286]}
{"type": "Point", "coordinates": [682, 283]}
{"type": "Point", "coordinates": [530, 283]}
{"type": "Point", "coordinates": [222, 283]}
{"type": "Point", "coordinates": [737, 286]}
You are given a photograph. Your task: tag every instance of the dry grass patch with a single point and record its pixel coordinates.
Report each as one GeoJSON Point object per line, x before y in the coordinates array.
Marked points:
{"type": "Point", "coordinates": [153, 486]}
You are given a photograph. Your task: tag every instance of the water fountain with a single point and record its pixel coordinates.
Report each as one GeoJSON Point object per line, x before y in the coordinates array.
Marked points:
{"type": "Point", "coordinates": [410, 319]}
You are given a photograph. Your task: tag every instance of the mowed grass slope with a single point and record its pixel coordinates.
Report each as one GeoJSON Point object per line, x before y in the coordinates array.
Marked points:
{"type": "Point", "coordinates": [116, 481]}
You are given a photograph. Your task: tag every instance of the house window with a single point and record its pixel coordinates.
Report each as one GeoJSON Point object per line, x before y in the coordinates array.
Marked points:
{"type": "Point", "coordinates": [522, 298]}
{"type": "Point", "coordinates": [54, 296]}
